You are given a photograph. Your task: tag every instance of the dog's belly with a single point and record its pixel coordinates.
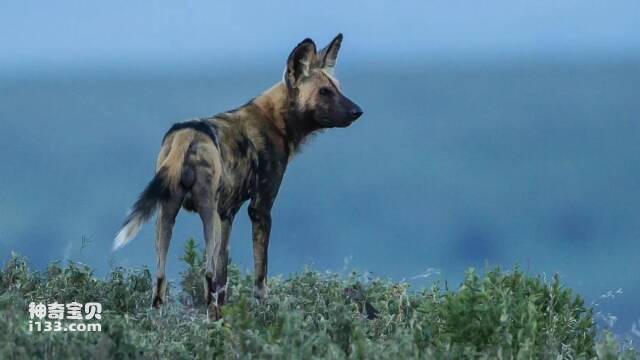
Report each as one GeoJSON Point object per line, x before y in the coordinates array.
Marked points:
{"type": "Point", "coordinates": [238, 182]}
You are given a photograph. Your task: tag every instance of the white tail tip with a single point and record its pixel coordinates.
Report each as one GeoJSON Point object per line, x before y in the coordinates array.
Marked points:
{"type": "Point", "coordinates": [127, 233]}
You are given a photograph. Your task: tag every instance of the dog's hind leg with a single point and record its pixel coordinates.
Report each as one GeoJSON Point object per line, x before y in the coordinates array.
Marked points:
{"type": "Point", "coordinates": [221, 253]}
{"type": "Point", "coordinates": [206, 193]}
{"type": "Point", "coordinates": [164, 227]}
{"type": "Point", "coordinates": [215, 290]}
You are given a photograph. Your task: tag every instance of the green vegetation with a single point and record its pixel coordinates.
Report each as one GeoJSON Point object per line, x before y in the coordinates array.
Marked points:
{"type": "Point", "coordinates": [308, 315]}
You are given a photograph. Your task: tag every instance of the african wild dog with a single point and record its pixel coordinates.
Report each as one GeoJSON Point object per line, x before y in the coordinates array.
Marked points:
{"type": "Point", "coordinates": [213, 165]}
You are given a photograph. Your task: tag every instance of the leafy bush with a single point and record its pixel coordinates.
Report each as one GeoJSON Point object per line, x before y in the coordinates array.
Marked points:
{"type": "Point", "coordinates": [308, 315]}
{"type": "Point", "coordinates": [192, 282]}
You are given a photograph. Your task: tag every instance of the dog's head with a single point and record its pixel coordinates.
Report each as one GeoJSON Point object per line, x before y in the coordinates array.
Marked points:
{"type": "Point", "coordinates": [314, 91]}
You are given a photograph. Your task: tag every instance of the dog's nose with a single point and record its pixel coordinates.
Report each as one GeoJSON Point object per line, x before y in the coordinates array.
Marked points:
{"type": "Point", "coordinates": [355, 113]}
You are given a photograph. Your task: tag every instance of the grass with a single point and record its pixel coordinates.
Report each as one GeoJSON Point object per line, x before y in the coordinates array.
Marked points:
{"type": "Point", "coordinates": [497, 314]}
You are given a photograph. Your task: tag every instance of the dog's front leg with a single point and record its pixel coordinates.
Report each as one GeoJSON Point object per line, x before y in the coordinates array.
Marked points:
{"type": "Point", "coordinates": [261, 221]}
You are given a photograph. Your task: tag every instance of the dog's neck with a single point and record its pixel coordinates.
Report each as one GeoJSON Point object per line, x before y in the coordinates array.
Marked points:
{"type": "Point", "coordinates": [278, 105]}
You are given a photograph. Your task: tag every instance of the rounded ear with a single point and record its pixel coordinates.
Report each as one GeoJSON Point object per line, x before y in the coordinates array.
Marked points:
{"type": "Point", "coordinates": [327, 56]}
{"type": "Point", "coordinates": [300, 62]}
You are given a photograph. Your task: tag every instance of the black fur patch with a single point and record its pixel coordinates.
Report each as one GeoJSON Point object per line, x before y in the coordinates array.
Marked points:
{"type": "Point", "coordinates": [157, 300]}
{"type": "Point", "coordinates": [155, 192]}
{"type": "Point", "coordinates": [198, 125]}
{"type": "Point", "coordinates": [240, 107]}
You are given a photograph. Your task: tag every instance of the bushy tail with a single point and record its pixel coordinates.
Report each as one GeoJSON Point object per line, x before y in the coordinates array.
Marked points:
{"type": "Point", "coordinates": [156, 191]}
{"type": "Point", "coordinates": [163, 184]}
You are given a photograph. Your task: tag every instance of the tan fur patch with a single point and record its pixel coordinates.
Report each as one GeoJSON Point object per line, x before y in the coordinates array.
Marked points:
{"type": "Point", "coordinates": [273, 102]}
{"type": "Point", "coordinates": [172, 156]}
{"type": "Point", "coordinates": [309, 88]}
{"type": "Point", "coordinates": [329, 74]}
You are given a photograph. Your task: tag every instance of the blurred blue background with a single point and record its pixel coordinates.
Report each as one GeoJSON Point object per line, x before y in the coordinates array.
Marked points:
{"type": "Point", "coordinates": [495, 132]}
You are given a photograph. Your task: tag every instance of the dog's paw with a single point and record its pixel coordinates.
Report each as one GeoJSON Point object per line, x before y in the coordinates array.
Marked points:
{"type": "Point", "coordinates": [214, 312]}
{"type": "Point", "coordinates": [260, 293]}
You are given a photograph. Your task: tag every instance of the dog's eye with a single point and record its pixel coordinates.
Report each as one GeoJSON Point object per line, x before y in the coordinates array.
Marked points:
{"type": "Point", "coordinates": [325, 91]}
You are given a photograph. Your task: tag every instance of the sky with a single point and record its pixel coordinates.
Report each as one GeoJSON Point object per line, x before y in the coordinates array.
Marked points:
{"type": "Point", "coordinates": [78, 33]}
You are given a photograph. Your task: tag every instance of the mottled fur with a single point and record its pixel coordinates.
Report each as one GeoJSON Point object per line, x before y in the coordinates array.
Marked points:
{"type": "Point", "coordinates": [213, 165]}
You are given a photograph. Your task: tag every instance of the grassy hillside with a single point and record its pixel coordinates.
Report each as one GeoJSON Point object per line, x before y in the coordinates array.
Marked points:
{"type": "Point", "coordinates": [308, 315]}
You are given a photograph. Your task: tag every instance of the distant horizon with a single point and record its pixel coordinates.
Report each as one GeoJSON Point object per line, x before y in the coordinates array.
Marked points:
{"type": "Point", "coordinates": [252, 65]}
